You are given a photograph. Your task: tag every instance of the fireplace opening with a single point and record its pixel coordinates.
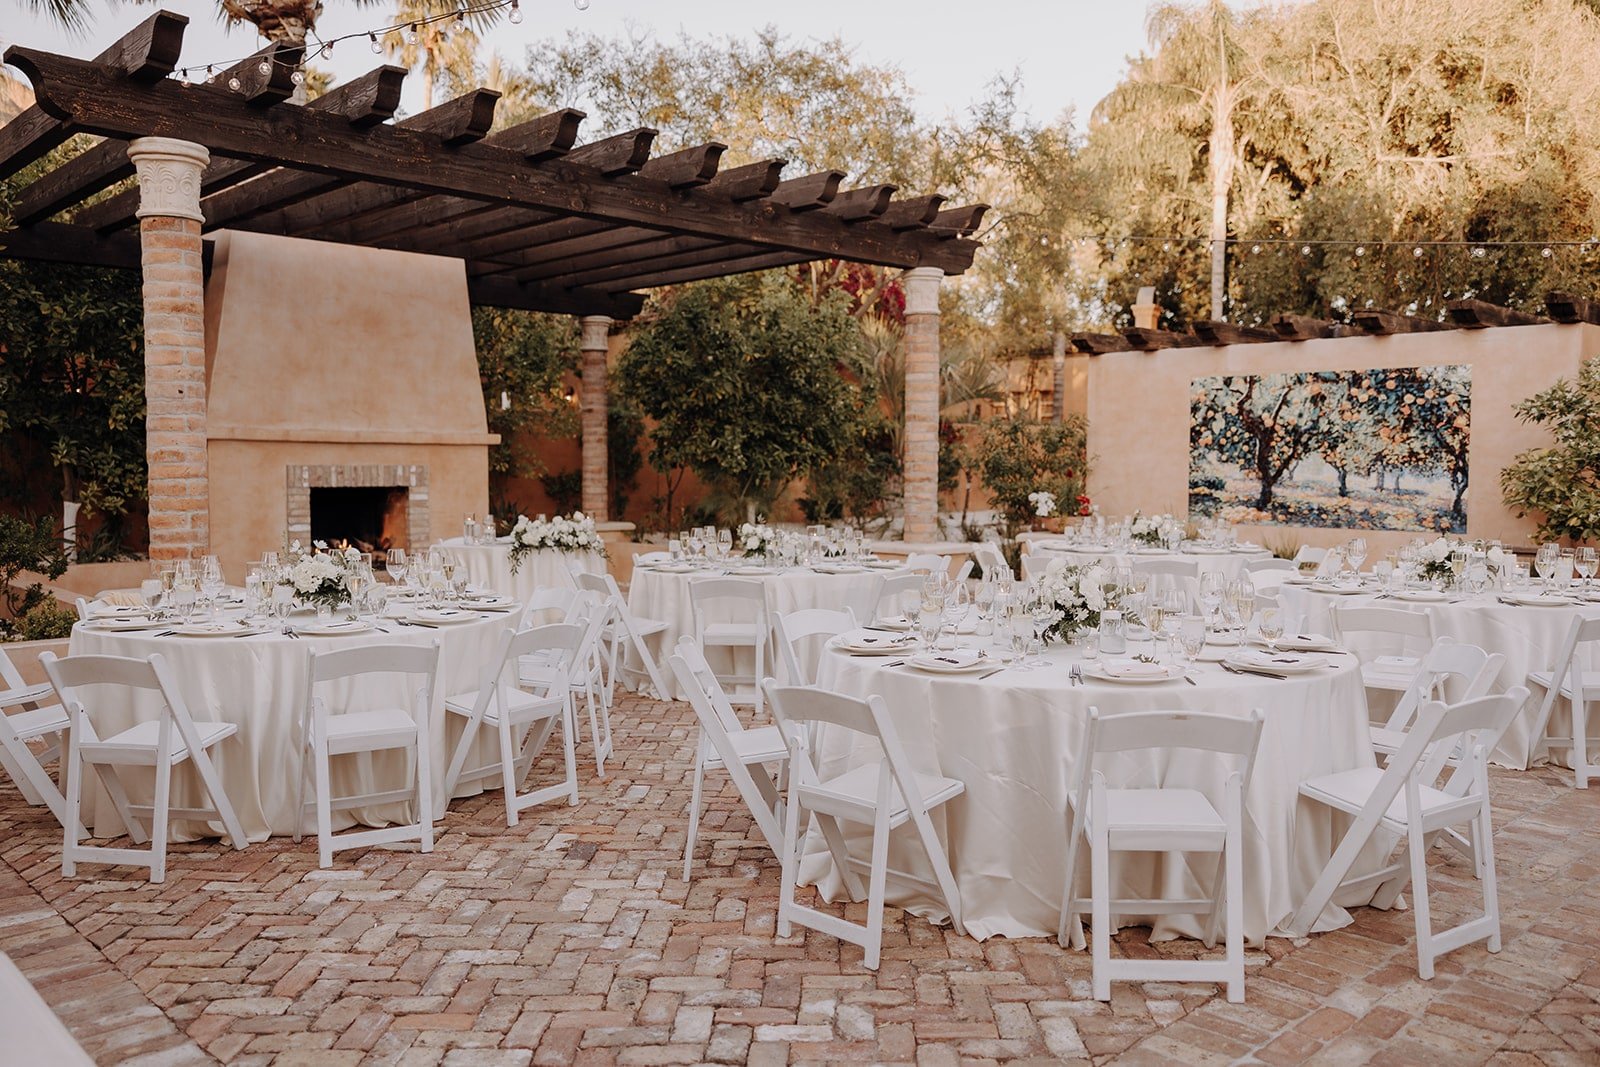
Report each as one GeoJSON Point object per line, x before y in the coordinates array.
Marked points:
{"type": "Point", "coordinates": [372, 518]}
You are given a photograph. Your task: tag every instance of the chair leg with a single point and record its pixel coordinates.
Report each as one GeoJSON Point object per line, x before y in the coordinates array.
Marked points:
{"type": "Point", "coordinates": [1100, 893]}
{"type": "Point", "coordinates": [1580, 737]}
{"type": "Point", "coordinates": [834, 836]}
{"type": "Point", "coordinates": [1233, 860]}
{"type": "Point", "coordinates": [220, 803]}
{"type": "Point", "coordinates": [162, 802]}
{"type": "Point", "coordinates": [508, 774]}
{"type": "Point", "coordinates": [1419, 903]}
{"type": "Point", "coordinates": [569, 727]}
{"type": "Point", "coordinates": [1491, 887]}
{"type": "Point", "coordinates": [694, 812]}
{"type": "Point", "coordinates": [876, 885]}
{"type": "Point", "coordinates": [300, 794]}
{"type": "Point", "coordinates": [73, 823]}
{"type": "Point", "coordinates": [324, 785]}
{"type": "Point", "coordinates": [791, 865]}
{"type": "Point", "coordinates": [594, 728]}
{"type": "Point", "coordinates": [424, 761]}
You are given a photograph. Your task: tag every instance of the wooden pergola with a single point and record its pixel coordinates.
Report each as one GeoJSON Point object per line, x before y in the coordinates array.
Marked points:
{"type": "Point", "coordinates": [541, 221]}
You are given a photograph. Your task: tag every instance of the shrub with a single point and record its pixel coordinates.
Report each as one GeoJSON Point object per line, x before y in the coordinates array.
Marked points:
{"type": "Point", "coordinates": [1018, 456]}
{"type": "Point", "coordinates": [26, 546]}
{"type": "Point", "coordinates": [45, 621]}
{"type": "Point", "coordinates": [1562, 482]}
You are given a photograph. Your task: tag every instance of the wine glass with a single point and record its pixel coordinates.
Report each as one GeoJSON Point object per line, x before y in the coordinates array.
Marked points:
{"type": "Point", "coordinates": [1155, 614]}
{"type": "Point", "coordinates": [395, 563]}
{"type": "Point", "coordinates": [1042, 612]}
{"type": "Point", "coordinates": [724, 543]}
{"type": "Point", "coordinates": [984, 599]}
{"type": "Point", "coordinates": [1173, 608]}
{"type": "Point", "coordinates": [283, 604]}
{"type": "Point", "coordinates": [1586, 563]}
{"type": "Point", "coordinates": [1270, 625]}
{"type": "Point", "coordinates": [211, 583]}
{"type": "Point", "coordinates": [930, 615]}
{"type": "Point", "coordinates": [150, 593]}
{"type": "Point", "coordinates": [1355, 553]}
{"type": "Point", "coordinates": [1213, 587]}
{"type": "Point", "coordinates": [1544, 561]}
{"type": "Point", "coordinates": [185, 592]}
{"type": "Point", "coordinates": [446, 583]}
{"type": "Point", "coordinates": [1565, 565]}
{"type": "Point", "coordinates": [1192, 637]}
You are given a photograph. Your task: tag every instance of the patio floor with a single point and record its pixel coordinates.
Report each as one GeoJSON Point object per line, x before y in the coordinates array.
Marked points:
{"type": "Point", "coordinates": [572, 940]}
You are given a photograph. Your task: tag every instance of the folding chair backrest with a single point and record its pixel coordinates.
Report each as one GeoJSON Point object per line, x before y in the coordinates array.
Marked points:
{"type": "Point", "coordinates": [74, 672]}
{"type": "Point", "coordinates": [989, 558]}
{"type": "Point", "coordinates": [1310, 554]}
{"type": "Point", "coordinates": [1182, 568]}
{"type": "Point", "coordinates": [893, 590]}
{"type": "Point", "coordinates": [374, 659]}
{"type": "Point", "coordinates": [547, 599]}
{"type": "Point", "coordinates": [964, 571]}
{"type": "Point", "coordinates": [10, 677]}
{"type": "Point", "coordinates": [1414, 628]}
{"type": "Point", "coordinates": [592, 583]}
{"type": "Point", "coordinates": [563, 637]}
{"type": "Point", "coordinates": [1470, 731]}
{"type": "Point", "coordinates": [928, 563]}
{"type": "Point", "coordinates": [1581, 631]}
{"type": "Point", "coordinates": [798, 708]}
{"type": "Point", "coordinates": [747, 591]}
{"type": "Point", "coordinates": [1257, 566]}
{"type": "Point", "coordinates": [693, 661]}
{"type": "Point", "coordinates": [796, 626]}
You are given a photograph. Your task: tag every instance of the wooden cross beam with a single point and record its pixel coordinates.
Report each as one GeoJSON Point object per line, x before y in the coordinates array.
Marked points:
{"type": "Point", "coordinates": [1144, 340]}
{"type": "Point", "coordinates": [1565, 307]}
{"type": "Point", "coordinates": [1098, 344]}
{"type": "Point", "coordinates": [496, 292]}
{"type": "Point", "coordinates": [1382, 323]}
{"type": "Point", "coordinates": [147, 53]}
{"type": "Point", "coordinates": [1228, 333]}
{"type": "Point", "coordinates": [1304, 328]}
{"type": "Point", "coordinates": [753, 181]}
{"type": "Point", "coordinates": [1477, 314]}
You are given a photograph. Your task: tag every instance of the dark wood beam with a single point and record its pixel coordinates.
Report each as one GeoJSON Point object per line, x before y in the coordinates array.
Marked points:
{"type": "Point", "coordinates": [549, 136]}
{"type": "Point", "coordinates": [100, 102]}
{"type": "Point", "coordinates": [1382, 323]}
{"type": "Point", "coordinates": [1565, 307]}
{"type": "Point", "coordinates": [1305, 328]}
{"type": "Point", "coordinates": [959, 221]}
{"type": "Point", "coordinates": [56, 242]}
{"type": "Point", "coordinates": [762, 259]}
{"type": "Point", "coordinates": [597, 251]}
{"type": "Point", "coordinates": [673, 254]}
{"type": "Point", "coordinates": [809, 192]}
{"type": "Point", "coordinates": [146, 53]}
{"type": "Point", "coordinates": [622, 153]}
{"type": "Point", "coordinates": [859, 205]}
{"type": "Point", "coordinates": [282, 59]}
{"type": "Point", "coordinates": [1098, 344]}
{"type": "Point", "coordinates": [1477, 314]}
{"type": "Point", "coordinates": [82, 176]}
{"type": "Point", "coordinates": [753, 181]}
{"type": "Point", "coordinates": [1144, 340]}
{"type": "Point", "coordinates": [494, 292]}
{"type": "Point", "coordinates": [1228, 333]}
{"type": "Point", "coordinates": [455, 122]}
{"type": "Point", "coordinates": [687, 167]}
{"type": "Point", "coordinates": [912, 213]}
{"type": "Point", "coordinates": [363, 102]}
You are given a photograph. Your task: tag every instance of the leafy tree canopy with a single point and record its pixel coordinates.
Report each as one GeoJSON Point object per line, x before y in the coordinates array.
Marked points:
{"type": "Point", "coordinates": [1561, 483]}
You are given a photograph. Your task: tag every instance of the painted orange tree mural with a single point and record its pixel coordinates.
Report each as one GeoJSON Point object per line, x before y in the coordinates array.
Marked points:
{"type": "Point", "coordinates": [1382, 448]}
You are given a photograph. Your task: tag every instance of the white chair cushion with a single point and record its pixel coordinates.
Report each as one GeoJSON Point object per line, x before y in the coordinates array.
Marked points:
{"type": "Point", "coordinates": [362, 731]}
{"type": "Point", "coordinates": [138, 744]}
{"type": "Point", "coordinates": [38, 722]}
{"type": "Point", "coordinates": [1388, 676]}
{"type": "Point", "coordinates": [1161, 818]}
{"type": "Point", "coordinates": [763, 744]}
{"type": "Point", "coordinates": [1349, 791]}
{"type": "Point", "coordinates": [518, 705]}
{"type": "Point", "coordinates": [532, 672]}
{"type": "Point", "coordinates": [731, 633]}
{"type": "Point", "coordinates": [856, 792]}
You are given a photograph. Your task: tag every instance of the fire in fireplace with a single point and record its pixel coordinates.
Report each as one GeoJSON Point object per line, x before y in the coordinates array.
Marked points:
{"type": "Point", "coordinates": [372, 518]}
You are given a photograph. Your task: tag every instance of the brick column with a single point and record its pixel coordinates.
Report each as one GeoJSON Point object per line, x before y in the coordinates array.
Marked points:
{"type": "Point", "coordinates": [592, 410]}
{"type": "Point", "coordinates": [921, 462]}
{"type": "Point", "coordinates": [1058, 394]}
{"type": "Point", "coordinates": [174, 343]}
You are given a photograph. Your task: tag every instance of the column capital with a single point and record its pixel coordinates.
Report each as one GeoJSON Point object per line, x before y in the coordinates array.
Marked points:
{"type": "Point", "coordinates": [922, 290]}
{"type": "Point", "coordinates": [595, 331]}
{"type": "Point", "coordinates": [169, 177]}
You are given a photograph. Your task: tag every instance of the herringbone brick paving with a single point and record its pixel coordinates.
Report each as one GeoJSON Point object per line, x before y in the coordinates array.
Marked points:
{"type": "Point", "coordinates": [571, 939]}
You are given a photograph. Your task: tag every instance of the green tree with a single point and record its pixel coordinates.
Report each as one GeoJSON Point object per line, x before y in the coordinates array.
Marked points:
{"type": "Point", "coordinates": [749, 385]}
{"type": "Point", "coordinates": [523, 360]}
{"type": "Point", "coordinates": [1561, 483]}
{"type": "Point", "coordinates": [1018, 456]}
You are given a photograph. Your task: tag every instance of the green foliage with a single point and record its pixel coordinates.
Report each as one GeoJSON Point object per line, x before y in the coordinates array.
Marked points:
{"type": "Point", "coordinates": [45, 621]}
{"type": "Point", "coordinates": [1017, 456]}
{"type": "Point", "coordinates": [523, 360]}
{"type": "Point", "coordinates": [624, 458]}
{"type": "Point", "coordinates": [1561, 483]}
{"type": "Point", "coordinates": [565, 489]}
{"type": "Point", "coordinates": [750, 385]}
{"type": "Point", "coordinates": [26, 546]}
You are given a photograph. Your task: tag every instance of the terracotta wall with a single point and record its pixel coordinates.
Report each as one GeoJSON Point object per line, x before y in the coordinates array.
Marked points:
{"type": "Point", "coordinates": [330, 354]}
{"type": "Point", "coordinates": [1138, 409]}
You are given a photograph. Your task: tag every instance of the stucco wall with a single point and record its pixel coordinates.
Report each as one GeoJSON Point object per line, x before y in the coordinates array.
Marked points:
{"type": "Point", "coordinates": [1138, 408]}
{"type": "Point", "coordinates": [321, 353]}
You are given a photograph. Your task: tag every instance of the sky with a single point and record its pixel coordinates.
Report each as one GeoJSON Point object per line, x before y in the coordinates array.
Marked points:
{"type": "Point", "coordinates": [1069, 53]}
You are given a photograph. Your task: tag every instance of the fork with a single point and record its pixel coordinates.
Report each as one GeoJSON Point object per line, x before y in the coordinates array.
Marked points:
{"type": "Point", "coordinates": [1076, 674]}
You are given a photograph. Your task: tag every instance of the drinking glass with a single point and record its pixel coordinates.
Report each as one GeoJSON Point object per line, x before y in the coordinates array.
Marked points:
{"type": "Point", "coordinates": [446, 579]}
{"type": "Point", "coordinates": [930, 615]}
{"type": "Point", "coordinates": [983, 598]}
{"type": "Point", "coordinates": [185, 593]}
{"type": "Point", "coordinates": [1154, 616]}
{"type": "Point", "coordinates": [1544, 561]}
{"type": "Point", "coordinates": [1565, 564]}
{"type": "Point", "coordinates": [1270, 625]}
{"type": "Point", "coordinates": [1042, 612]}
{"type": "Point", "coordinates": [150, 593]}
{"type": "Point", "coordinates": [252, 595]}
{"type": "Point", "coordinates": [1192, 636]}
{"type": "Point", "coordinates": [1174, 605]}
{"type": "Point", "coordinates": [724, 543]}
{"type": "Point", "coordinates": [697, 544]}
{"type": "Point", "coordinates": [1355, 553]}
{"type": "Point", "coordinates": [1213, 587]}
{"type": "Point", "coordinates": [396, 564]}
{"type": "Point", "coordinates": [282, 603]}
{"type": "Point", "coordinates": [1586, 563]}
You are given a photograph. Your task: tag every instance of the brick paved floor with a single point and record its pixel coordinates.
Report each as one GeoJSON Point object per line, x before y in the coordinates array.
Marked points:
{"type": "Point", "coordinates": [572, 940]}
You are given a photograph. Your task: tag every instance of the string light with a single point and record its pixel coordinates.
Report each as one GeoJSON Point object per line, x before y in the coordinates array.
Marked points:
{"type": "Point", "coordinates": [377, 49]}
{"type": "Point", "coordinates": [516, 13]}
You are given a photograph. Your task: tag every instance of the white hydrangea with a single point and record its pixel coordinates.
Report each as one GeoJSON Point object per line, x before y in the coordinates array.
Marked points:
{"type": "Point", "coordinates": [757, 539]}
{"type": "Point", "coordinates": [1044, 503]}
{"type": "Point", "coordinates": [561, 534]}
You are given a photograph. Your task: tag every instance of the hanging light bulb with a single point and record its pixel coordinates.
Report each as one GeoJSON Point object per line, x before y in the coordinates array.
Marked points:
{"type": "Point", "coordinates": [1478, 253]}
{"type": "Point", "coordinates": [1546, 253]}
{"type": "Point", "coordinates": [264, 68]}
{"type": "Point", "coordinates": [411, 34]}
{"type": "Point", "coordinates": [1305, 250]}
{"type": "Point", "coordinates": [1255, 250]}
{"type": "Point", "coordinates": [581, 5]}
{"type": "Point", "coordinates": [1361, 250]}
{"type": "Point", "coordinates": [326, 50]}
{"type": "Point", "coordinates": [1417, 252]}
{"type": "Point", "coordinates": [183, 76]}
{"type": "Point", "coordinates": [377, 49]}
{"type": "Point", "coordinates": [516, 13]}
{"type": "Point", "coordinates": [234, 83]}
{"type": "Point", "coordinates": [298, 77]}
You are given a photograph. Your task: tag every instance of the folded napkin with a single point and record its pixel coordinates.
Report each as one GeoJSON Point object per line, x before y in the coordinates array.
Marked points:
{"type": "Point", "coordinates": [122, 598]}
{"type": "Point", "coordinates": [1132, 668]}
{"type": "Point", "coordinates": [1308, 642]}
{"type": "Point", "coordinates": [955, 657]}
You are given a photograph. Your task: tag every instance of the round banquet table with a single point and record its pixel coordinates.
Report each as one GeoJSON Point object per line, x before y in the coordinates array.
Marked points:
{"type": "Point", "coordinates": [489, 567]}
{"type": "Point", "coordinates": [1229, 561]}
{"type": "Point", "coordinates": [259, 683]}
{"type": "Point", "coordinates": [1013, 738]}
{"type": "Point", "coordinates": [662, 593]}
{"type": "Point", "coordinates": [1529, 636]}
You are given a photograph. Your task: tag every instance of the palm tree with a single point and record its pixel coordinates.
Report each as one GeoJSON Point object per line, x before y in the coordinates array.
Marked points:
{"type": "Point", "coordinates": [434, 47]}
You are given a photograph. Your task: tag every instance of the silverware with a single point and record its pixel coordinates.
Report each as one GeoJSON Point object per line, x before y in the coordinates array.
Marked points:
{"type": "Point", "coordinates": [1076, 674]}
{"type": "Point", "coordinates": [990, 674]}
{"type": "Point", "coordinates": [165, 633]}
{"type": "Point", "coordinates": [896, 663]}
{"type": "Point", "coordinates": [1190, 679]}
{"type": "Point", "coordinates": [1231, 669]}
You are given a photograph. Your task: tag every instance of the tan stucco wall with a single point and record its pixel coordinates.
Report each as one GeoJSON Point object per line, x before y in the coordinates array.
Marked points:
{"type": "Point", "coordinates": [1138, 407]}
{"type": "Point", "coordinates": [321, 353]}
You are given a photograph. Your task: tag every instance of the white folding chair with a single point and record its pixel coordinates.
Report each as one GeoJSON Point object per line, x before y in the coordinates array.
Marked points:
{"type": "Point", "coordinates": [883, 795]}
{"type": "Point", "coordinates": [1410, 632]}
{"type": "Point", "coordinates": [750, 632]}
{"type": "Point", "coordinates": [964, 571]}
{"type": "Point", "coordinates": [160, 744]}
{"type": "Point", "coordinates": [1566, 677]}
{"type": "Point", "coordinates": [1402, 799]}
{"type": "Point", "coordinates": [723, 742]}
{"type": "Point", "coordinates": [927, 563]}
{"type": "Point", "coordinates": [793, 628]}
{"type": "Point", "coordinates": [36, 720]}
{"type": "Point", "coordinates": [585, 673]}
{"type": "Point", "coordinates": [1309, 554]}
{"type": "Point", "coordinates": [1160, 819]}
{"type": "Point", "coordinates": [624, 630]}
{"type": "Point", "coordinates": [325, 734]}
{"type": "Point", "coordinates": [548, 604]}
{"type": "Point", "coordinates": [521, 721]}
{"type": "Point", "coordinates": [989, 558]}
{"type": "Point", "coordinates": [1448, 671]}
{"type": "Point", "coordinates": [895, 596]}
{"type": "Point", "coordinates": [1184, 574]}
{"type": "Point", "coordinates": [1267, 566]}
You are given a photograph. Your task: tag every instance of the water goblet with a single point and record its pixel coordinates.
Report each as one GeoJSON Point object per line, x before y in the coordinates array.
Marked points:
{"type": "Point", "coordinates": [150, 593]}
{"type": "Point", "coordinates": [1587, 562]}
{"type": "Point", "coordinates": [1192, 637]}
{"type": "Point", "coordinates": [282, 603]}
{"type": "Point", "coordinates": [1544, 561]}
{"type": "Point", "coordinates": [1270, 626]}
{"type": "Point", "coordinates": [1565, 565]}
{"type": "Point", "coordinates": [1355, 553]}
{"type": "Point", "coordinates": [1173, 606]}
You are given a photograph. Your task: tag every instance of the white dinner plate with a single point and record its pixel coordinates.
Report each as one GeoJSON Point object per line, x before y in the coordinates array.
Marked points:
{"type": "Point", "coordinates": [1539, 600]}
{"type": "Point", "coordinates": [874, 643]}
{"type": "Point", "coordinates": [838, 568]}
{"type": "Point", "coordinates": [882, 564]}
{"type": "Point", "coordinates": [1340, 590]}
{"type": "Point", "coordinates": [333, 629]}
{"type": "Point", "coordinates": [1306, 643]}
{"type": "Point", "coordinates": [954, 661]}
{"type": "Point", "coordinates": [1420, 596]}
{"type": "Point", "coordinates": [118, 611]}
{"type": "Point", "coordinates": [1296, 579]}
{"type": "Point", "coordinates": [491, 603]}
{"type": "Point", "coordinates": [676, 568]}
{"type": "Point", "coordinates": [1197, 550]}
{"type": "Point", "coordinates": [1149, 550]}
{"type": "Point", "coordinates": [749, 571]}
{"type": "Point", "coordinates": [1280, 663]}
{"type": "Point", "coordinates": [231, 628]}
{"type": "Point", "coordinates": [444, 616]}
{"type": "Point", "coordinates": [894, 622]}
{"type": "Point", "coordinates": [1132, 672]}
{"type": "Point", "coordinates": [117, 626]}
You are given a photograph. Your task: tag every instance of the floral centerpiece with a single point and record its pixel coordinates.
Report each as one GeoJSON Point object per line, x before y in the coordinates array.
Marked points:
{"type": "Point", "coordinates": [1078, 596]}
{"type": "Point", "coordinates": [320, 578]}
{"type": "Point", "coordinates": [1149, 530]}
{"type": "Point", "coordinates": [1043, 503]}
{"type": "Point", "coordinates": [758, 540]}
{"type": "Point", "coordinates": [1433, 560]}
{"type": "Point", "coordinates": [560, 534]}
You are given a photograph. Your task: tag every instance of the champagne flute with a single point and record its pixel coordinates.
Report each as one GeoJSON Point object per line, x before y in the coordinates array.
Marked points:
{"type": "Point", "coordinates": [1586, 563]}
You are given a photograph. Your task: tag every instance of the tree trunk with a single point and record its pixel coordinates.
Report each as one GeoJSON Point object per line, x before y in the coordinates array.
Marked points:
{"type": "Point", "coordinates": [1344, 481]}
{"type": "Point", "coordinates": [1219, 162]}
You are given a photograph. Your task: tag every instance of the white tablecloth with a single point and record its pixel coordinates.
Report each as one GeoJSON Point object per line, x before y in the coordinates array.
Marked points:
{"type": "Point", "coordinates": [1013, 739]}
{"type": "Point", "coordinates": [1529, 638]}
{"type": "Point", "coordinates": [1230, 562]}
{"type": "Point", "coordinates": [260, 684]}
{"type": "Point", "coordinates": [489, 567]}
{"type": "Point", "coordinates": [664, 595]}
